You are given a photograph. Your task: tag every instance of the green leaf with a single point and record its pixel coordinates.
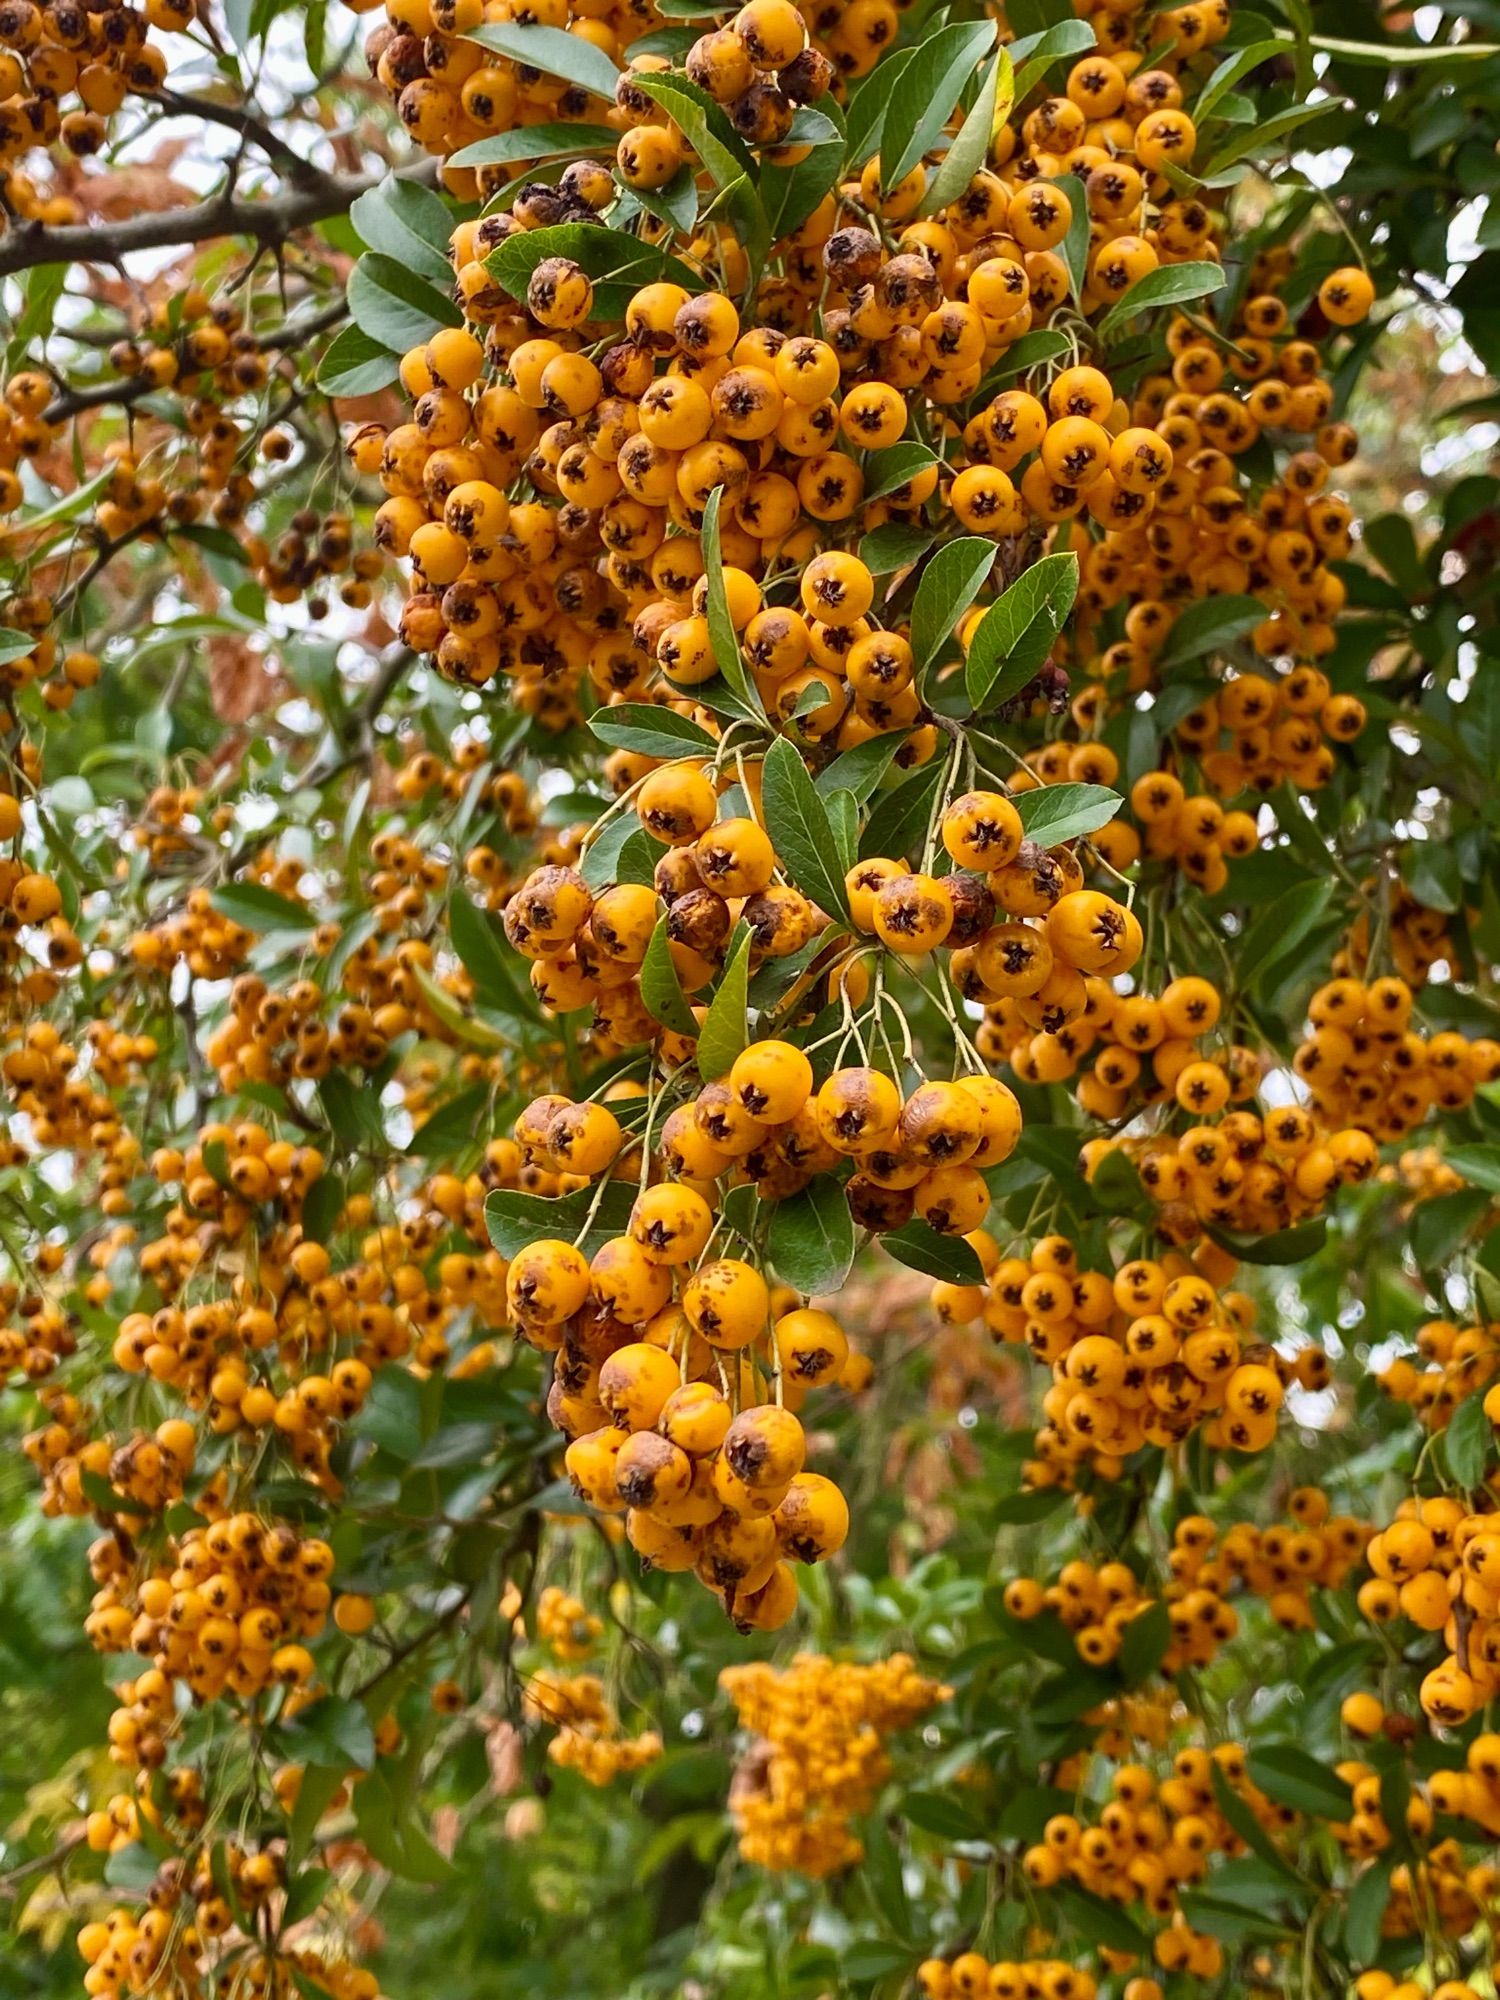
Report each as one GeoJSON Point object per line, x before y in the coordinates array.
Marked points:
{"type": "Point", "coordinates": [333, 1731]}
{"type": "Point", "coordinates": [1028, 352]}
{"type": "Point", "coordinates": [1054, 813]}
{"type": "Point", "coordinates": [536, 142]}
{"type": "Point", "coordinates": [1279, 929]}
{"type": "Point", "coordinates": [790, 194]}
{"type": "Point", "coordinates": [408, 222]}
{"type": "Point", "coordinates": [1466, 1441]}
{"type": "Point", "coordinates": [132, 1867]}
{"type": "Point", "coordinates": [947, 587]}
{"type": "Point", "coordinates": [1208, 626]}
{"type": "Point", "coordinates": [356, 364]}
{"type": "Point", "coordinates": [811, 1239]}
{"type": "Point", "coordinates": [721, 632]}
{"type": "Point", "coordinates": [1249, 1828]}
{"type": "Point", "coordinates": [865, 116]}
{"type": "Point", "coordinates": [1229, 73]}
{"type": "Point", "coordinates": [895, 545]}
{"type": "Point", "coordinates": [1440, 1224]}
{"type": "Point", "coordinates": [935, 1812]}
{"type": "Point", "coordinates": [868, 1960]}
{"type": "Point", "coordinates": [804, 836]}
{"type": "Point", "coordinates": [895, 465]}
{"type": "Point", "coordinates": [1479, 1165]}
{"type": "Point", "coordinates": [1144, 1644]}
{"type": "Point", "coordinates": [352, 1111]}
{"type": "Point", "coordinates": [728, 160]}
{"type": "Point", "coordinates": [676, 204]}
{"type": "Point", "coordinates": [315, 1792]}
{"type": "Point", "coordinates": [843, 817]}
{"type": "Point", "coordinates": [623, 852]}
{"type": "Point", "coordinates": [1100, 1922]}
{"type": "Point", "coordinates": [649, 731]}
{"type": "Point", "coordinates": [256, 908]}
{"type": "Point", "coordinates": [1034, 55]}
{"type": "Point", "coordinates": [1017, 633]}
{"type": "Point", "coordinates": [1232, 1922]}
{"type": "Point", "coordinates": [661, 989]}
{"type": "Point", "coordinates": [1430, 869]}
{"type": "Point", "coordinates": [1168, 285]}
{"type": "Point", "coordinates": [860, 769]}
{"type": "Point", "coordinates": [15, 645]}
{"type": "Point", "coordinates": [900, 815]}
{"type": "Point", "coordinates": [514, 1219]}
{"type": "Point", "coordinates": [321, 1207]}
{"type": "Point", "coordinates": [922, 1248]}
{"type": "Point", "coordinates": [1269, 132]}
{"type": "Point", "coordinates": [1364, 1911]}
{"type": "Point", "coordinates": [927, 94]}
{"type": "Point", "coordinates": [305, 1892]}
{"type": "Point", "coordinates": [396, 307]}
{"type": "Point", "coordinates": [1282, 1246]}
{"type": "Point", "coordinates": [487, 958]}
{"type": "Point", "coordinates": [617, 264]}
{"type": "Point", "coordinates": [1075, 245]}
{"type": "Point", "coordinates": [970, 148]}
{"type": "Point", "coordinates": [726, 1026]}
{"type": "Point", "coordinates": [554, 50]}
{"type": "Point", "coordinates": [454, 1128]}
{"type": "Point", "coordinates": [1293, 1778]}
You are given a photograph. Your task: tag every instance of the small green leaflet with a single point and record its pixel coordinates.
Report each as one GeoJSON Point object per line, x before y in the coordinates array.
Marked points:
{"type": "Point", "coordinates": [725, 1029]}
{"type": "Point", "coordinates": [1075, 245]}
{"type": "Point", "coordinates": [860, 769]}
{"type": "Point", "coordinates": [617, 264]}
{"type": "Point", "coordinates": [1034, 55]}
{"type": "Point", "coordinates": [661, 989]}
{"type": "Point", "coordinates": [515, 1219]}
{"type": "Point", "coordinates": [1479, 1165]}
{"type": "Point", "coordinates": [1017, 632]}
{"type": "Point", "coordinates": [922, 1248]}
{"type": "Point", "coordinates": [397, 307]}
{"type": "Point", "coordinates": [356, 364]}
{"type": "Point", "coordinates": [1294, 1779]}
{"type": "Point", "coordinates": [554, 50]}
{"type": "Point", "coordinates": [407, 222]}
{"type": "Point", "coordinates": [804, 834]}
{"type": "Point", "coordinates": [256, 908]}
{"type": "Point", "coordinates": [1169, 285]}
{"type": "Point", "coordinates": [895, 466]}
{"type": "Point", "coordinates": [811, 1239]}
{"type": "Point", "coordinates": [1467, 1441]}
{"type": "Point", "coordinates": [1229, 73]}
{"type": "Point", "coordinates": [924, 98]}
{"type": "Point", "coordinates": [892, 546]}
{"type": "Point", "coordinates": [650, 731]}
{"type": "Point", "coordinates": [947, 587]}
{"type": "Point", "coordinates": [1270, 131]}
{"type": "Point", "coordinates": [721, 632]}
{"type": "Point", "coordinates": [970, 148]}
{"type": "Point", "coordinates": [1208, 627]}
{"type": "Point", "coordinates": [536, 142]}
{"type": "Point", "coordinates": [1054, 813]}
{"type": "Point", "coordinates": [865, 117]}
{"type": "Point", "coordinates": [1282, 1246]}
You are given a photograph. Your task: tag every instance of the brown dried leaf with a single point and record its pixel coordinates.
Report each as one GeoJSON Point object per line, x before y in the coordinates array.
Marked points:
{"type": "Point", "coordinates": [240, 684]}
